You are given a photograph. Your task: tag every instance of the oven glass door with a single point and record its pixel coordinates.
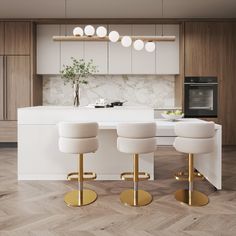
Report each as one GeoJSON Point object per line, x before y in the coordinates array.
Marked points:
{"type": "Point", "coordinates": [200, 100]}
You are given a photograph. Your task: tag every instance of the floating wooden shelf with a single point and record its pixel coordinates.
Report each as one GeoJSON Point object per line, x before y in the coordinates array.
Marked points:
{"type": "Point", "coordinates": [96, 38]}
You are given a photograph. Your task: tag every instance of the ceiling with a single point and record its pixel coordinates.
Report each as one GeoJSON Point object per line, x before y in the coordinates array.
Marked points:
{"type": "Point", "coordinates": [117, 8]}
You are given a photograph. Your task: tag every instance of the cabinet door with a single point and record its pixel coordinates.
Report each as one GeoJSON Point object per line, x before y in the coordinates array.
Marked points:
{"type": "Point", "coordinates": [1, 38]}
{"type": "Point", "coordinates": [120, 57]}
{"type": "Point", "coordinates": [48, 51]}
{"type": "Point", "coordinates": [97, 51]}
{"type": "Point", "coordinates": [18, 84]}
{"type": "Point", "coordinates": [17, 38]}
{"type": "Point", "coordinates": [1, 88]}
{"type": "Point", "coordinates": [143, 62]}
{"type": "Point", "coordinates": [167, 53]}
{"type": "Point", "coordinates": [70, 49]}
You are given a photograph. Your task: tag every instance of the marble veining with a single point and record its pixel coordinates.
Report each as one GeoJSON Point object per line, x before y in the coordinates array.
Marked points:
{"type": "Point", "coordinates": [153, 90]}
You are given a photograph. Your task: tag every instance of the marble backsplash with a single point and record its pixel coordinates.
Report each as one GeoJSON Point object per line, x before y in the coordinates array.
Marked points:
{"type": "Point", "coordinates": [153, 90]}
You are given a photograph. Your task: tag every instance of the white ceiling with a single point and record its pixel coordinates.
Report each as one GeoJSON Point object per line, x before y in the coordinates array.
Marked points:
{"type": "Point", "coordinates": [118, 8]}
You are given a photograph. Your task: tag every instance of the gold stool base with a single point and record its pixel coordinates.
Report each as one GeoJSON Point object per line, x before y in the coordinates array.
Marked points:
{"type": "Point", "coordinates": [127, 198]}
{"type": "Point", "coordinates": [71, 198]}
{"type": "Point", "coordinates": [197, 198]}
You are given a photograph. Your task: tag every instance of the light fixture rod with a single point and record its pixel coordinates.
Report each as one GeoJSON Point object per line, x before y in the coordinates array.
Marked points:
{"type": "Point", "coordinates": [96, 38]}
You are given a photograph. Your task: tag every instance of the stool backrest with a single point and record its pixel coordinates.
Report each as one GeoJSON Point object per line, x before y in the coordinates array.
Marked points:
{"type": "Point", "coordinates": [136, 130]}
{"type": "Point", "coordinates": [78, 130]}
{"type": "Point", "coordinates": [195, 130]}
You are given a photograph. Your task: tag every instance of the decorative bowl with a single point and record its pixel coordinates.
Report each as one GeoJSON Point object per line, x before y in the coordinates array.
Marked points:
{"type": "Point", "coordinates": [172, 117]}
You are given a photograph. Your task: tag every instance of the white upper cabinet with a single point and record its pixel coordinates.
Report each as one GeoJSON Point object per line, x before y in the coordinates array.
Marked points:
{"type": "Point", "coordinates": [167, 53]}
{"type": "Point", "coordinates": [97, 51]}
{"type": "Point", "coordinates": [120, 58]}
{"type": "Point", "coordinates": [70, 49]}
{"type": "Point", "coordinates": [48, 51]}
{"type": "Point", "coordinates": [143, 62]}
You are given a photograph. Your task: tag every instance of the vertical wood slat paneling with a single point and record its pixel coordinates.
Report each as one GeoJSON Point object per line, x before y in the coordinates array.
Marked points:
{"type": "Point", "coordinates": [1, 88]}
{"type": "Point", "coordinates": [18, 84]}
{"type": "Point", "coordinates": [1, 38]}
{"type": "Point", "coordinates": [17, 38]}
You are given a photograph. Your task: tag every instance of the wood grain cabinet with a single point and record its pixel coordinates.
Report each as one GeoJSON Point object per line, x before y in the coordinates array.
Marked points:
{"type": "Point", "coordinates": [1, 38]}
{"type": "Point", "coordinates": [17, 38]}
{"type": "Point", "coordinates": [2, 88]}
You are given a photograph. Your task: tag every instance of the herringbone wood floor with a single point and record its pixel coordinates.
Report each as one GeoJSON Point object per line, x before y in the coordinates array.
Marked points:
{"type": "Point", "coordinates": [36, 207]}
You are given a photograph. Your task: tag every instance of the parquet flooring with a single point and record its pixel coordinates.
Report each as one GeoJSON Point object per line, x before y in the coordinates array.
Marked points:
{"type": "Point", "coordinates": [36, 208]}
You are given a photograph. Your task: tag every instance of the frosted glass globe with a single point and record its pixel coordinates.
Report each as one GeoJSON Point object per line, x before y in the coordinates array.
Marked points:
{"type": "Point", "coordinates": [78, 31]}
{"type": "Point", "coordinates": [89, 30]}
{"type": "Point", "coordinates": [126, 41]}
{"type": "Point", "coordinates": [138, 44]}
{"type": "Point", "coordinates": [101, 31]}
{"type": "Point", "coordinates": [114, 36]}
{"type": "Point", "coordinates": [150, 47]}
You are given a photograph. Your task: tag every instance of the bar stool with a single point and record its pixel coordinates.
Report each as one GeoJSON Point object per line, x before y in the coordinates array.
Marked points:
{"type": "Point", "coordinates": [136, 138]}
{"type": "Point", "coordinates": [79, 138]}
{"type": "Point", "coordinates": [193, 138]}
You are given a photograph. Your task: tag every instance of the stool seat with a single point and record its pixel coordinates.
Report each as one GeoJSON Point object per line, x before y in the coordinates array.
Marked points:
{"type": "Point", "coordinates": [75, 146]}
{"type": "Point", "coordinates": [138, 146]}
{"type": "Point", "coordinates": [193, 145]}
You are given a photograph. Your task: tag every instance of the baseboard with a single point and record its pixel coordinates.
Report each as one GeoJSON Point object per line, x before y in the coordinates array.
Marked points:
{"type": "Point", "coordinates": [8, 145]}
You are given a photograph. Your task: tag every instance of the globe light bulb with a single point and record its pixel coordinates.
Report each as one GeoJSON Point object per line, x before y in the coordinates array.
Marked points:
{"type": "Point", "coordinates": [78, 31]}
{"type": "Point", "coordinates": [101, 31]}
{"type": "Point", "coordinates": [89, 30]}
{"type": "Point", "coordinates": [126, 41]}
{"type": "Point", "coordinates": [138, 44]}
{"type": "Point", "coordinates": [114, 36]}
{"type": "Point", "coordinates": [150, 46]}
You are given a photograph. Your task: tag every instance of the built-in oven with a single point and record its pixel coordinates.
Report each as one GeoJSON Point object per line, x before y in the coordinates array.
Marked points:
{"type": "Point", "coordinates": [200, 96]}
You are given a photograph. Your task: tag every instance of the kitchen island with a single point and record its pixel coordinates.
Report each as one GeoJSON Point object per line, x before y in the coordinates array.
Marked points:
{"type": "Point", "coordinates": [40, 159]}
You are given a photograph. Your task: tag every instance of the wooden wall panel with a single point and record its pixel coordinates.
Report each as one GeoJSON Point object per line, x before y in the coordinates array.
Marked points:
{"type": "Point", "coordinates": [1, 88]}
{"type": "Point", "coordinates": [17, 38]}
{"type": "Point", "coordinates": [1, 38]}
{"type": "Point", "coordinates": [201, 48]}
{"type": "Point", "coordinates": [18, 84]}
{"type": "Point", "coordinates": [8, 131]}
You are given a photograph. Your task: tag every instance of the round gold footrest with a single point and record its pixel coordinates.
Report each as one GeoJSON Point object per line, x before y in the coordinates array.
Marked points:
{"type": "Point", "coordinates": [129, 176]}
{"type": "Point", "coordinates": [87, 176]}
{"type": "Point", "coordinates": [183, 176]}
{"type": "Point", "coordinates": [192, 198]}
{"type": "Point", "coordinates": [72, 198]}
{"type": "Point", "coordinates": [143, 198]}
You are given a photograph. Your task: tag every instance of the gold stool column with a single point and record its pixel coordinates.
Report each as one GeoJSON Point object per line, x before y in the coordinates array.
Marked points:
{"type": "Point", "coordinates": [190, 196]}
{"type": "Point", "coordinates": [135, 197]}
{"type": "Point", "coordinates": [80, 197]}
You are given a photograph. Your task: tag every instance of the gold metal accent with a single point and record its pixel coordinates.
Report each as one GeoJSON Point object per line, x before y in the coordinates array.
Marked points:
{"type": "Point", "coordinates": [80, 197]}
{"type": "Point", "coordinates": [183, 176]}
{"type": "Point", "coordinates": [135, 197]}
{"type": "Point", "coordinates": [129, 176]}
{"type": "Point", "coordinates": [86, 176]}
{"type": "Point", "coordinates": [143, 198]}
{"type": "Point", "coordinates": [190, 196]}
{"type": "Point", "coordinates": [73, 199]}
{"type": "Point", "coordinates": [96, 38]}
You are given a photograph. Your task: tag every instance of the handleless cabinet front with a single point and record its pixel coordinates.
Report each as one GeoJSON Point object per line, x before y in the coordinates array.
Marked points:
{"type": "Point", "coordinates": [17, 84]}
{"type": "Point", "coordinates": [1, 38]}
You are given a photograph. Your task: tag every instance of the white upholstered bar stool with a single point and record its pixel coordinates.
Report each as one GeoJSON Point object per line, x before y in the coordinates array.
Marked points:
{"type": "Point", "coordinates": [136, 139]}
{"type": "Point", "coordinates": [79, 138]}
{"type": "Point", "coordinates": [193, 138]}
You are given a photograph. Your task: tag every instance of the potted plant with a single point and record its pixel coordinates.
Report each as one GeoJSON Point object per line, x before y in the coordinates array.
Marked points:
{"type": "Point", "coordinates": [76, 74]}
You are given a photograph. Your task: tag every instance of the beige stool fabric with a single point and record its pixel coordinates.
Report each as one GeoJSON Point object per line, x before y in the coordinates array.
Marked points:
{"type": "Point", "coordinates": [78, 138]}
{"type": "Point", "coordinates": [78, 130]}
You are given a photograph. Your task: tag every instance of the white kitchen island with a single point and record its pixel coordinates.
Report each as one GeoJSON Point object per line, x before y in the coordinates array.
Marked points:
{"type": "Point", "coordinates": [40, 159]}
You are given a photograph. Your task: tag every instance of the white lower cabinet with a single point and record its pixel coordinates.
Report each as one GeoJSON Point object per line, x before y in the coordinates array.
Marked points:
{"type": "Point", "coordinates": [167, 53]}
